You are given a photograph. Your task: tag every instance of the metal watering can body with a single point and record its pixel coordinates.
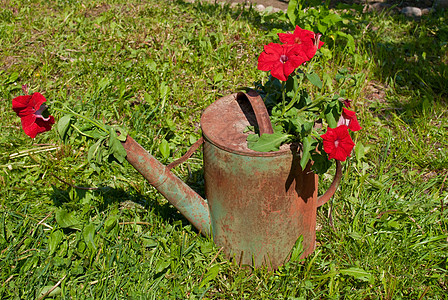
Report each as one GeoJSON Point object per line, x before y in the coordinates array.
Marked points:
{"type": "Point", "coordinates": [259, 203]}
{"type": "Point", "coordinates": [259, 206]}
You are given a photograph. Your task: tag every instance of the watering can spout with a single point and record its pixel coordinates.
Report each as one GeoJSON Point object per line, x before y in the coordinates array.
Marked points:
{"type": "Point", "coordinates": [178, 193]}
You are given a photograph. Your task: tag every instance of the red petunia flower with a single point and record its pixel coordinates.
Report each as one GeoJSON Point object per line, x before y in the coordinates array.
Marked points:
{"type": "Point", "coordinates": [30, 108]}
{"type": "Point", "coordinates": [349, 119]}
{"type": "Point", "coordinates": [308, 41]}
{"type": "Point", "coordinates": [337, 143]}
{"type": "Point", "coordinates": [281, 60]}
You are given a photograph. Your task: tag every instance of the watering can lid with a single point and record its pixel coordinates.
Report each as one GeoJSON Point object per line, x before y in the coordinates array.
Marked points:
{"type": "Point", "coordinates": [225, 121]}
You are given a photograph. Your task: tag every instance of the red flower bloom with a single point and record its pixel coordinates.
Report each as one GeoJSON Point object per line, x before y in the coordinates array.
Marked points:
{"type": "Point", "coordinates": [30, 108]}
{"type": "Point", "coordinates": [349, 119]}
{"type": "Point", "coordinates": [308, 41]}
{"type": "Point", "coordinates": [281, 60]}
{"type": "Point", "coordinates": [337, 143]}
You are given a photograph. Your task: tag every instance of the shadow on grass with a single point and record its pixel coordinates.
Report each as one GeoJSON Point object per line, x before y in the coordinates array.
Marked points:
{"type": "Point", "coordinates": [240, 12]}
{"type": "Point", "coordinates": [418, 60]}
{"type": "Point", "coordinates": [103, 198]}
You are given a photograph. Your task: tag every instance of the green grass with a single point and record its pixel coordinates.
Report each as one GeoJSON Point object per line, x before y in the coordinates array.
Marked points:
{"type": "Point", "coordinates": [152, 67]}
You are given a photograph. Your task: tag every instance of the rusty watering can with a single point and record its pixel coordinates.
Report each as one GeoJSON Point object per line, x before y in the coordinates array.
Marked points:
{"type": "Point", "coordinates": [258, 203]}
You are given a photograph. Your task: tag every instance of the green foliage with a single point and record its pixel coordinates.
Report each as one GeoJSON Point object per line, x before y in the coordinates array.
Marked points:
{"type": "Point", "coordinates": [296, 115]}
{"type": "Point", "coordinates": [294, 112]}
{"type": "Point", "coordinates": [107, 139]}
{"type": "Point", "coordinates": [318, 17]}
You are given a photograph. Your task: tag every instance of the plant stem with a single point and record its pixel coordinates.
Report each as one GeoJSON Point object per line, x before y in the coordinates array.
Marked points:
{"type": "Point", "coordinates": [283, 98]}
{"type": "Point", "coordinates": [294, 100]}
{"type": "Point", "coordinates": [80, 132]}
{"type": "Point", "coordinates": [313, 104]}
{"type": "Point", "coordinates": [69, 111]}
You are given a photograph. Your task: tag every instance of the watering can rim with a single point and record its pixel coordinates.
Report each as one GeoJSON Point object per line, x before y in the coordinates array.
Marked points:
{"type": "Point", "coordinates": [287, 148]}
{"type": "Point", "coordinates": [225, 106]}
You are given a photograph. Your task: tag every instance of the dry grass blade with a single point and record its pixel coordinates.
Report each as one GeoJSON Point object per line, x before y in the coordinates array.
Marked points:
{"type": "Point", "coordinates": [52, 289]}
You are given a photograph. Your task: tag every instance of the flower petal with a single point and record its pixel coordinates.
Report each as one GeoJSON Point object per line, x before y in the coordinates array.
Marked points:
{"type": "Point", "coordinates": [21, 106]}
{"type": "Point", "coordinates": [280, 59]}
{"type": "Point", "coordinates": [279, 72]}
{"type": "Point", "coordinates": [337, 143]}
{"type": "Point", "coordinates": [37, 100]}
{"type": "Point", "coordinates": [266, 61]}
{"type": "Point", "coordinates": [354, 125]}
{"type": "Point", "coordinates": [307, 40]}
{"type": "Point", "coordinates": [350, 120]}
{"type": "Point", "coordinates": [269, 57]}
{"type": "Point", "coordinates": [39, 126]}
{"type": "Point", "coordinates": [29, 108]}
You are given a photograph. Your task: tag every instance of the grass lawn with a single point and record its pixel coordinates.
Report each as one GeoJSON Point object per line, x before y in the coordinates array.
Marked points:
{"type": "Point", "coordinates": [77, 229]}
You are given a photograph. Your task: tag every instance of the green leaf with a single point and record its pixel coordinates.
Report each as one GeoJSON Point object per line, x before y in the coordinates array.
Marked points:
{"type": "Point", "coordinates": [252, 138]}
{"type": "Point", "coordinates": [54, 240]}
{"type": "Point", "coordinates": [103, 153]}
{"type": "Point", "coordinates": [63, 126]}
{"type": "Point", "coordinates": [339, 77]}
{"type": "Point", "coordinates": [359, 274]}
{"type": "Point", "coordinates": [111, 222]}
{"type": "Point", "coordinates": [164, 90]}
{"type": "Point", "coordinates": [328, 81]}
{"type": "Point", "coordinates": [359, 152]}
{"type": "Point", "coordinates": [66, 219]}
{"type": "Point", "coordinates": [306, 151]}
{"type": "Point", "coordinates": [57, 291]}
{"type": "Point", "coordinates": [164, 149]}
{"type": "Point", "coordinates": [298, 249]}
{"type": "Point", "coordinates": [162, 265]}
{"type": "Point", "coordinates": [350, 41]}
{"type": "Point", "coordinates": [218, 78]}
{"type": "Point", "coordinates": [292, 85]}
{"type": "Point", "coordinates": [89, 234]}
{"type": "Point", "coordinates": [332, 19]}
{"type": "Point", "coordinates": [151, 65]}
{"type": "Point", "coordinates": [115, 146]}
{"type": "Point", "coordinates": [92, 131]}
{"type": "Point", "coordinates": [123, 133]}
{"type": "Point", "coordinates": [314, 79]}
{"type": "Point", "coordinates": [210, 275]}
{"type": "Point", "coordinates": [291, 12]}
{"type": "Point", "coordinates": [332, 113]}
{"type": "Point", "coordinates": [103, 84]}
{"type": "Point", "coordinates": [149, 242]}
{"type": "Point", "coordinates": [322, 27]}
{"type": "Point", "coordinates": [321, 164]}
{"type": "Point", "coordinates": [268, 142]}
{"type": "Point", "coordinates": [93, 150]}
{"type": "Point", "coordinates": [13, 77]}
{"type": "Point", "coordinates": [170, 123]}
{"type": "Point", "coordinates": [192, 138]}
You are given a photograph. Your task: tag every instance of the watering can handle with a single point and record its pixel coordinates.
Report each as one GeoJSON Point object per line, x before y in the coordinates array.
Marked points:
{"type": "Point", "coordinates": [261, 113]}
{"type": "Point", "coordinates": [321, 200]}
